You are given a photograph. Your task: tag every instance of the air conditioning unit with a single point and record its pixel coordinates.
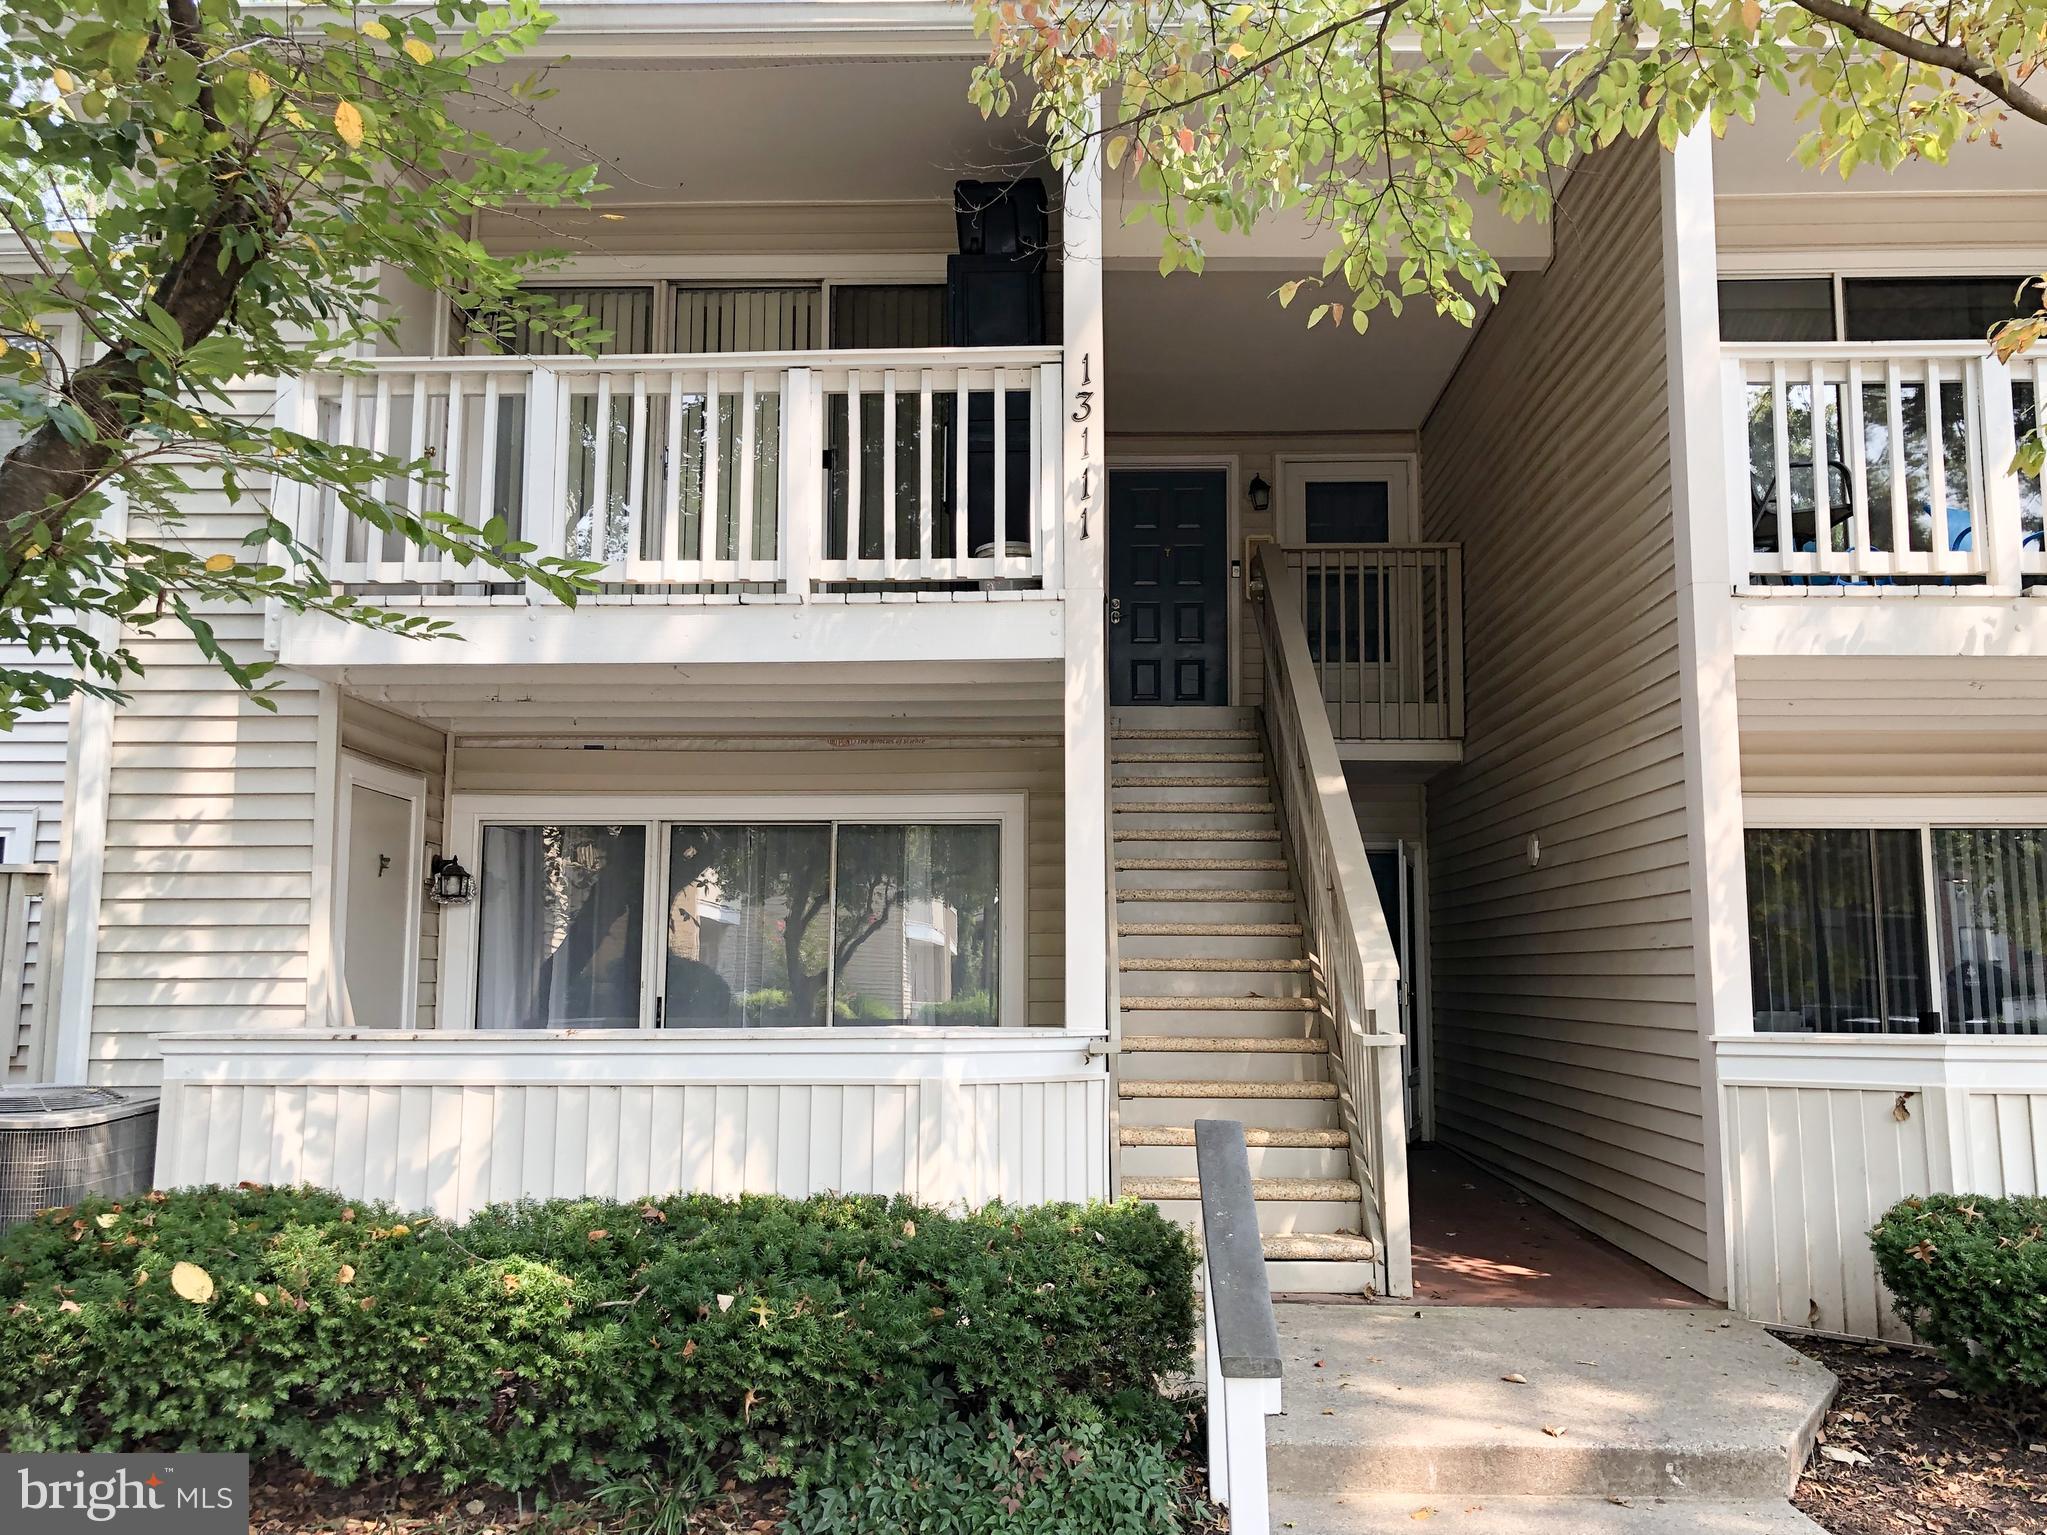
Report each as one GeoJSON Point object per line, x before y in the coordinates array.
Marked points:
{"type": "Point", "coordinates": [59, 1144]}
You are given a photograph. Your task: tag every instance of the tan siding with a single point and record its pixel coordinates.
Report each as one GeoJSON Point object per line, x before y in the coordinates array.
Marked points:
{"type": "Point", "coordinates": [207, 898]}
{"type": "Point", "coordinates": [1830, 725]}
{"type": "Point", "coordinates": [1566, 1036]}
{"type": "Point", "coordinates": [845, 768]}
{"type": "Point", "coordinates": [412, 747]}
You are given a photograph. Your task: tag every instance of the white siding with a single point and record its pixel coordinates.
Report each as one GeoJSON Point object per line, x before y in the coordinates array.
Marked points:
{"type": "Point", "coordinates": [32, 779]}
{"type": "Point", "coordinates": [942, 1121]}
{"type": "Point", "coordinates": [413, 747]}
{"type": "Point", "coordinates": [1823, 1136]}
{"type": "Point", "coordinates": [847, 766]}
{"type": "Point", "coordinates": [1565, 1027]}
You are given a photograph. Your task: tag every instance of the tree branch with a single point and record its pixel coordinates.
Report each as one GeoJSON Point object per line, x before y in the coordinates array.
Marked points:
{"type": "Point", "coordinates": [1955, 59]}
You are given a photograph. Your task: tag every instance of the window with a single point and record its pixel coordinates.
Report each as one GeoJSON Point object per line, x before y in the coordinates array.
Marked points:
{"type": "Point", "coordinates": [1898, 929]}
{"type": "Point", "coordinates": [746, 922]}
{"type": "Point", "coordinates": [1345, 505]}
{"type": "Point", "coordinates": [1833, 308]}
{"type": "Point", "coordinates": [1777, 309]}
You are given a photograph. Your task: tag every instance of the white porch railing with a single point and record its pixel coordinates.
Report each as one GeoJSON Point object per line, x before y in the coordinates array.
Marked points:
{"type": "Point", "coordinates": [1348, 937]}
{"type": "Point", "coordinates": [1385, 632]}
{"type": "Point", "coordinates": [1885, 464]}
{"type": "Point", "coordinates": [756, 474]}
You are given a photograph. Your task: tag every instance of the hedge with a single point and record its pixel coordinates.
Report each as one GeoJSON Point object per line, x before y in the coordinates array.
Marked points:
{"type": "Point", "coordinates": [575, 1337]}
{"type": "Point", "coordinates": [1969, 1273]}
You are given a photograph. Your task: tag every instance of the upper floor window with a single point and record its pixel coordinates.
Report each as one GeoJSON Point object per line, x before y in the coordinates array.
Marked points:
{"type": "Point", "coordinates": [722, 318]}
{"type": "Point", "coordinates": [1838, 308]}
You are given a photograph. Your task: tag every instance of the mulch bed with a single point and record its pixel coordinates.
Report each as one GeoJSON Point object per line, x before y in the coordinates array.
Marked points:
{"type": "Point", "coordinates": [1903, 1452]}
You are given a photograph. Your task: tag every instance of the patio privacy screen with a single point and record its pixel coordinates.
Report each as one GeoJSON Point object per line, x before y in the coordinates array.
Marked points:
{"type": "Point", "coordinates": [759, 926]}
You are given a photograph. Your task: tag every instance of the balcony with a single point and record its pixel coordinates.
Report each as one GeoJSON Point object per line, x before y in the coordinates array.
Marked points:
{"type": "Point", "coordinates": [731, 479]}
{"type": "Point", "coordinates": [1384, 625]}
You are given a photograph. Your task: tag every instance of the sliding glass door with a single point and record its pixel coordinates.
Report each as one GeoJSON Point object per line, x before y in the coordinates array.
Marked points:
{"type": "Point", "coordinates": [733, 924]}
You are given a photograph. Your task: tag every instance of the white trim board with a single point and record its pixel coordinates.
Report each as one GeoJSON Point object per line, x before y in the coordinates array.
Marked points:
{"type": "Point", "coordinates": [467, 814]}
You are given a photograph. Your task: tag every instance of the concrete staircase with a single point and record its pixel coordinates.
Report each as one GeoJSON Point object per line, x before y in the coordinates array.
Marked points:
{"type": "Point", "coordinates": [1498, 1421]}
{"type": "Point", "coordinates": [1218, 1017]}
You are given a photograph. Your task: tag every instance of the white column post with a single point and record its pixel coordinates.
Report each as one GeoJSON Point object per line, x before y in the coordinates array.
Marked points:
{"type": "Point", "coordinates": [1705, 601]}
{"type": "Point", "coordinates": [543, 493]}
{"type": "Point", "coordinates": [803, 498]}
{"type": "Point", "coordinates": [1083, 564]}
{"type": "Point", "coordinates": [2000, 539]}
{"type": "Point", "coordinates": [74, 905]}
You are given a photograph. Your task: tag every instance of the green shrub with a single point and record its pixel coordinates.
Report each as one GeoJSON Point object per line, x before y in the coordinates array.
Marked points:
{"type": "Point", "coordinates": [983, 1476]}
{"type": "Point", "coordinates": [576, 1336]}
{"type": "Point", "coordinates": [1969, 1274]}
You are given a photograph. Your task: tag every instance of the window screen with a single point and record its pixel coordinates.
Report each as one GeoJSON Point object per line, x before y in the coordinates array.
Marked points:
{"type": "Point", "coordinates": [758, 319]}
{"type": "Point", "coordinates": [889, 316]}
{"type": "Point", "coordinates": [1930, 308]}
{"type": "Point", "coordinates": [1837, 932]}
{"type": "Point", "coordinates": [1777, 309]}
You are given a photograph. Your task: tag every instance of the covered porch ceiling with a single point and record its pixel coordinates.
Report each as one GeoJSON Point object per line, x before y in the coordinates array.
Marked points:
{"type": "Point", "coordinates": [649, 705]}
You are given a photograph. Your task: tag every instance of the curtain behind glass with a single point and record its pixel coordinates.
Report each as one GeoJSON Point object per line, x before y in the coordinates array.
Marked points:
{"type": "Point", "coordinates": [1836, 932]}
{"type": "Point", "coordinates": [749, 926]}
{"type": "Point", "coordinates": [917, 925]}
{"type": "Point", "coordinates": [1992, 908]}
{"type": "Point", "coordinates": [559, 927]}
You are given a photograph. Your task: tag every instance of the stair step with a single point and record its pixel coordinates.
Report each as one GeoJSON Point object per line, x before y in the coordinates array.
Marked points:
{"type": "Point", "coordinates": [1208, 929]}
{"type": "Point", "coordinates": [1197, 834]}
{"type": "Point", "coordinates": [1210, 756]}
{"type": "Point", "coordinates": [1168, 733]}
{"type": "Point", "coordinates": [1208, 865]}
{"type": "Point", "coordinates": [1195, 1088]}
{"type": "Point", "coordinates": [1299, 1190]}
{"type": "Point", "coordinates": [1237, 1044]}
{"type": "Point", "coordinates": [1254, 1135]}
{"type": "Point", "coordinates": [1196, 893]}
{"type": "Point", "coordinates": [1220, 1005]}
{"type": "Point", "coordinates": [1192, 807]}
{"type": "Point", "coordinates": [1143, 1112]}
{"type": "Point", "coordinates": [1208, 962]}
{"type": "Point", "coordinates": [1319, 1247]}
{"type": "Point", "coordinates": [1189, 781]}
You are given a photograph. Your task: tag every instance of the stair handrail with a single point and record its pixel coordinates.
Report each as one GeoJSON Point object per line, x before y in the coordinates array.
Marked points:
{"type": "Point", "coordinates": [1240, 1332]}
{"type": "Point", "coordinates": [1348, 940]}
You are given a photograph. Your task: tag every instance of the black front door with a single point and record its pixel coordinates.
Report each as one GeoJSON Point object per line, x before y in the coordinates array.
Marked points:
{"type": "Point", "coordinates": [1168, 587]}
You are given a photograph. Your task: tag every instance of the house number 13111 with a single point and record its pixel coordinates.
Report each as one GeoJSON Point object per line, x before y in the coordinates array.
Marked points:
{"type": "Point", "coordinates": [1083, 413]}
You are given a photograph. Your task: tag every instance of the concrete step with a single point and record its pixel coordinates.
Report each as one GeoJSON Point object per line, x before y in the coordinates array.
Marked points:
{"type": "Point", "coordinates": [1222, 1089]}
{"type": "Point", "coordinates": [1210, 1026]}
{"type": "Point", "coordinates": [1263, 1190]}
{"type": "Point", "coordinates": [1153, 904]}
{"type": "Point", "coordinates": [1213, 834]}
{"type": "Point", "coordinates": [1172, 1161]}
{"type": "Point", "coordinates": [1640, 1404]}
{"type": "Point", "coordinates": [1185, 976]}
{"type": "Point", "coordinates": [1153, 1107]}
{"type": "Point", "coordinates": [1178, 946]}
{"type": "Point", "coordinates": [1204, 874]}
{"type": "Point", "coordinates": [1185, 758]}
{"type": "Point", "coordinates": [1173, 791]}
{"type": "Point", "coordinates": [1150, 814]}
{"type": "Point", "coordinates": [1201, 1057]}
{"type": "Point", "coordinates": [1139, 717]}
{"type": "Point", "coordinates": [1210, 964]}
{"type": "Point", "coordinates": [1216, 1004]}
{"type": "Point", "coordinates": [1277, 1216]}
{"type": "Point", "coordinates": [1197, 863]}
{"type": "Point", "coordinates": [1483, 1515]}
{"type": "Point", "coordinates": [1179, 733]}
{"type": "Point", "coordinates": [1255, 1136]}
{"type": "Point", "coordinates": [1319, 1276]}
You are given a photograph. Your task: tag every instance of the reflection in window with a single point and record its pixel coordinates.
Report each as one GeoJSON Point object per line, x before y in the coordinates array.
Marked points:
{"type": "Point", "coordinates": [916, 927]}
{"type": "Point", "coordinates": [1932, 308]}
{"type": "Point", "coordinates": [1992, 910]}
{"type": "Point", "coordinates": [749, 930]}
{"type": "Point", "coordinates": [559, 927]}
{"type": "Point", "coordinates": [1837, 932]}
{"type": "Point", "coordinates": [1777, 309]}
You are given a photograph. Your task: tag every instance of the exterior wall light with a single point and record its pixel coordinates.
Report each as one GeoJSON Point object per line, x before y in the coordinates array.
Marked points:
{"type": "Point", "coordinates": [1260, 494]}
{"type": "Point", "coordinates": [449, 883]}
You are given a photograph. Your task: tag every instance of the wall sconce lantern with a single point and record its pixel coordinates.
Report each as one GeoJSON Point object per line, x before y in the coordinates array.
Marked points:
{"type": "Point", "coordinates": [449, 883]}
{"type": "Point", "coordinates": [1260, 494]}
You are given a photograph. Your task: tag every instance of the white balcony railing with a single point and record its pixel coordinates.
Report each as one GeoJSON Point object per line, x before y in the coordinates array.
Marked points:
{"type": "Point", "coordinates": [1881, 465]}
{"type": "Point", "coordinates": [1385, 633]}
{"type": "Point", "coordinates": [739, 477]}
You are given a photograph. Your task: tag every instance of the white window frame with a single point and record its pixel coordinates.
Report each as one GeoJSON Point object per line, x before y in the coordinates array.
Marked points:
{"type": "Point", "coordinates": [469, 813]}
{"type": "Point", "coordinates": [1923, 813]}
{"type": "Point", "coordinates": [1296, 473]}
{"type": "Point", "coordinates": [367, 773]}
{"type": "Point", "coordinates": [18, 831]}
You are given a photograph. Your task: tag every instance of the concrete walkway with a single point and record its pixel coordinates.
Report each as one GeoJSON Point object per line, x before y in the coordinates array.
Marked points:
{"type": "Point", "coordinates": [1648, 1421]}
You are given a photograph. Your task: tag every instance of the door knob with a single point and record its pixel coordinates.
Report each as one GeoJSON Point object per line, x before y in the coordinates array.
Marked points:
{"type": "Point", "coordinates": [1115, 610]}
